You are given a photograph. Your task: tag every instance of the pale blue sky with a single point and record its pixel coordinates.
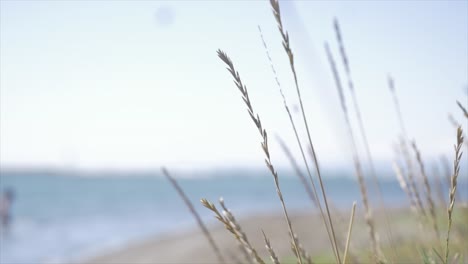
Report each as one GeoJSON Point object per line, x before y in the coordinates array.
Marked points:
{"type": "Point", "coordinates": [137, 84]}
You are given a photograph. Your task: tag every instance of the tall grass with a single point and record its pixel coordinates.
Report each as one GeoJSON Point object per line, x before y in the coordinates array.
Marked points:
{"type": "Point", "coordinates": [309, 190]}
{"type": "Point", "coordinates": [234, 228]}
{"type": "Point", "coordinates": [453, 187]}
{"type": "Point", "coordinates": [357, 163]}
{"type": "Point", "coordinates": [287, 48]}
{"type": "Point", "coordinates": [404, 141]}
{"type": "Point", "coordinates": [405, 174]}
{"type": "Point", "coordinates": [272, 253]}
{"type": "Point", "coordinates": [350, 230]}
{"type": "Point", "coordinates": [297, 170]}
{"type": "Point", "coordinates": [265, 146]}
{"type": "Point", "coordinates": [357, 110]}
{"type": "Point", "coordinates": [463, 109]}
{"type": "Point", "coordinates": [427, 185]}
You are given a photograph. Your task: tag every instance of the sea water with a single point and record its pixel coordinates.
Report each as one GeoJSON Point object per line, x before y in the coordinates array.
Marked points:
{"type": "Point", "coordinates": [64, 217]}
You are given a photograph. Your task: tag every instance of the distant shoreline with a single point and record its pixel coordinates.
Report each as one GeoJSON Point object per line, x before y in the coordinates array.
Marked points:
{"type": "Point", "coordinates": [221, 171]}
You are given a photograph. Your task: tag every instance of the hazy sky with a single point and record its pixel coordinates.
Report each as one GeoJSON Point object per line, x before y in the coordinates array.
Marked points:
{"type": "Point", "coordinates": [137, 84]}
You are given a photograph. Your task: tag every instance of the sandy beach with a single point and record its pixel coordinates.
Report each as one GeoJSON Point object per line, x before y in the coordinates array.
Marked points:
{"type": "Point", "coordinates": [192, 246]}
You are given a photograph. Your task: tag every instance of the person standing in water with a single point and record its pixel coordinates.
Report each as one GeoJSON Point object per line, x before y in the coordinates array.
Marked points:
{"type": "Point", "coordinates": [6, 201]}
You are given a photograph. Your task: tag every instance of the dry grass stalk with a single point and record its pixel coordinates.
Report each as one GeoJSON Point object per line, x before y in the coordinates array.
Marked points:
{"type": "Point", "coordinates": [453, 186]}
{"type": "Point", "coordinates": [200, 222]}
{"type": "Point", "coordinates": [233, 222]}
{"type": "Point", "coordinates": [427, 186]}
{"type": "Point", "coordinates": [271, 63]}
{"type": "Point", "coordinates": [296, 168]}
{"type": "Point", "coordinates": [244, 252]}
{"type": "Point", "coordinates": [455, 124]}
{"type": "Point", "coordinates": [391, 86]}
{"type": "Point", "coordinates": [412, 182]}
{"type": "Point", "coordinates": [410, 176]}
{"type": "Point", "coordinates": [357, 164]}
{"type": "Point", "coordinates": [404, 185]}
{"type": "Point", "coordinates": [350, 230]}
{"type": "Point", "coordinates": [256, 119]}
{"type": "Point", "coordinates": [234, 228]}
{"type": "Point", "coordinates": [357, 110]}
{"type": "Point", "coordinates": [405, 150]}
{"type": "Point", "coordinates": [465, 113]}
{"type": "Point", "coordinates": [312, 192]}
{"type": "Point", "coordinates": [304, 255]}
{"type": "Point", "coordinates": [453, 121]}
{"type": "Point", "coordinates": [286, 45]}
{"type": "Point", "coordinates": [448, 171]}
{"type": "Point", "coordinates": [273, 256]}
{"type": "Point", "coordinates": [456, 258]}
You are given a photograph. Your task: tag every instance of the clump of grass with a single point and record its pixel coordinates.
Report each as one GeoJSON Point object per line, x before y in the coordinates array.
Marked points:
{"type": "Point", "coordinates": [357, 164]}
{"type": "Point", "coordinates": [405, 150]}
{"type": "Point", "coordinates": [200, 222]}
{"type": "Point", "coordinates": [404, 186]}
{"type": "Point", "coordinates": [429, 200]}
{"type": "Point", "coordinates": [407, 182]}
{"type": "Point", "coordinates": [453, 187]}
{"type": "Point", "coordinates": [357, 110]}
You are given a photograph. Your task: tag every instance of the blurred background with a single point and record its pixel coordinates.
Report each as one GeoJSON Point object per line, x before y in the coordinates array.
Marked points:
{"type": "Point", "coordinates": [95, 97]}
